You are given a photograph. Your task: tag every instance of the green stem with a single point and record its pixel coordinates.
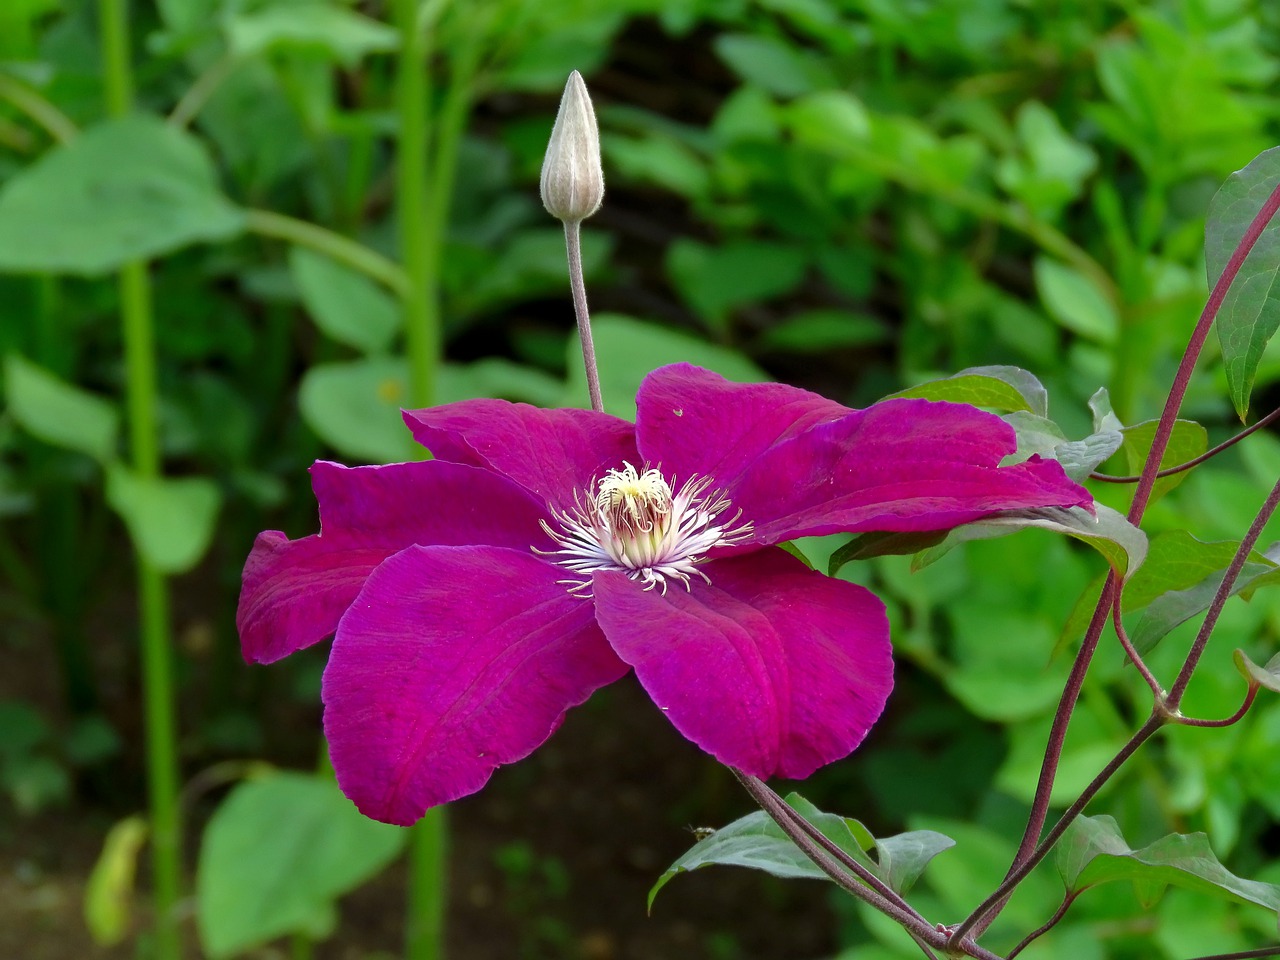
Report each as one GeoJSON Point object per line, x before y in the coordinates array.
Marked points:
{"type": "Point", "coordinates": [334, 245]}
{"type": "Point", "coordinates": [153, 592]}
{"type": "Point", "coordinates": [420, 242]}
{"type": "Point", "coordinates": [198, 94]}
{"type": "Point", "coordinates": [52, 120]}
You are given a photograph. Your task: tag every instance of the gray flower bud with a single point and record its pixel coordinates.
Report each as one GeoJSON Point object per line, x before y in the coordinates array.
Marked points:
{"type": "Point", "coordinates": [572, 178]}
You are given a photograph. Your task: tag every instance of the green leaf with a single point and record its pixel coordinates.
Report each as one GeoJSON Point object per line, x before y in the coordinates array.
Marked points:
{"type": "Point", "coordinates": [170, 520]}
{"type": "Point", "coordinates": [772, 64]}
{"type": "Point", "coordinates": [1268, 676]}
{"type": "Point", "coordinates": [1121, 544]}
{"type": "Point", "coordinates": [829, 120]}
{"type": "Point", "coordinates": [347, 306]}
{"type": "Point", "coordinates": [820, 331]}
{"type": "Point", "coordinates": [1250, 313]}
{"type": "Point", "coordinates": [756, 841]}
{"type": "Point", "coordinates": [627, 350]}
{"type": "Point", "coordinates": [1075, 302]}
{"type": "Point", "coordinates": [883, 544]}
{"type": "Point", "coordinates": [108, 895]}
{"type": "Point", "coordinates": [1178, 606]}
{"type": "Point", "coordinates": [125, 189]}
{"type": "Point", "coordinates": [1187, 441]}
{"type": "Point", "coordinates": [1003, 388]}
{"type": "Point", "coordinates": [1079, 458]}
{"type": "Point", "coordinates": [275, 855]}
{"type": "Point", "coordinates": [1093, 851]}
{"type": "Point", "coordinates": [59, 413]}
{"type": "Point", "coordinates": [715, 281]}
{"type": "Point", "coordinates": [342, 35]}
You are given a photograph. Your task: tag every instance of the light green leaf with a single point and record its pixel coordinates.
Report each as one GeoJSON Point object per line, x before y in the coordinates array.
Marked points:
{"type": "Point", "coordinates": [997, 387]}
{"type": "Point", "coordinates": [1093, 851]}
{"type": "Point", "coordinates": [59, 413]}
{"type": "Point", "coordinates": [1268, 676]}
{"type": "Point", "coordinates": [108, 895]}
{"type": "Point", "coordinates": [1075, 302]}
{"type": "Point", "coordinates": [346, 305]}
{"type": "Point", "coordinates": [772, 64]}
{"type": "Point", "coordinates": [343, 35]}
{"type": "Point", "coordinates": [1122, 544]}
{"type": "Point", "coordinates": [276, 854]}
{"type": "Point", "coordinates": [829, 120]}
{"type": "Point", "coordinates": [170, 520]}
{"type": "Point", "coordinates": [1187, 441]}
{"type": "Point", "coordinates": [125, 189]}
{"type": "Point", "coordinates": [627, 350]}
{"type": "Point", "coordinates": [1250, 313]}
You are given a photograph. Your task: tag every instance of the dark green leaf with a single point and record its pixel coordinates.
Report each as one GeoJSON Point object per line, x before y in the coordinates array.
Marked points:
{"type": "Point", "coordinates": [1178, 606]}
{"type": "Point", "coordinates": [1093, 851]}
{"type": "Point", "coordinates": [881, 544]}
{"type": "Point", "coordinates": [125, 189]}
{"type": "Point", "coordinates": [772, 64]}
{"type": "Point", "coordinates": [756, 841]}
{"type": "Point", "coordinates": [717, 280]}
{"type": "Point", "coordinates": [820, 331]}
{"type": "Point", "coordinates": [1250, 313]}
{"type": "Point", "coordinates": [275, 855]}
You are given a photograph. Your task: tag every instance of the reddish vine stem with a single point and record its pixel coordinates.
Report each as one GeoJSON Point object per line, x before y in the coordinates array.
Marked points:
{"type": "Point", "coordinates": [1048, 925]}
{"type": "Point", "coordinates": [1244, 954]}
{"type": "Point", "coordinates": [1131, 651]}
{"type": "Point", "coordinates": [1195, 462]}
{"type": "Point", "coordinates": [978, 921]}
{"type": "Point", "coordinates": [1229, 721]}
{"type": "Point", "coordinates": [1220, 598]}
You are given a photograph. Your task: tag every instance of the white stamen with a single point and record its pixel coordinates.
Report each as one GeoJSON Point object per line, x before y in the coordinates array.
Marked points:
{"type": "Point", "coordinates": [634, 524]}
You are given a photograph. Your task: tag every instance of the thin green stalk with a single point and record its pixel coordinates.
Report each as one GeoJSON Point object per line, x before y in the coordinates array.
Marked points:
{"type": "Point", "coordinates": [419, 252]}
{"type": "Point", "coordinates": [54, 122]}
{"type": "Point", "coordinates": [153, 592]}
{"type": "Point", "coordinates": [357, 256]}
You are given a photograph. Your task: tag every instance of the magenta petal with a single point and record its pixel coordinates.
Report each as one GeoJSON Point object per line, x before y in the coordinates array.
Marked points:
{"type": "Point", "coordinates": [451, 661]}
{"type": "Point", "coordinates": [295, 591]}
{"type": "Point", "coordinates": [553, 453]}
{"type": "Point", "coordinates": [772, 668]}
{"type": "Point", "coordinates": [900, 465]}
{"type": "Point", "coordinates": [696, 423]}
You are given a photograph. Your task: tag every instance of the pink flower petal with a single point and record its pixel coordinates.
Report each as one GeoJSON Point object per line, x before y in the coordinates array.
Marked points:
{"type": "Point", "coordinates": [553, 453]}
{"type": "Point", "coordinates": [452, 661]}
{"type": "Point", "coordinates": [900, 465]}
{"type": "Point", "coordinates": [295, 591]}
{"type": "Point", "coordinates": [695, 422]}
{"type": "Point", "coordinates": [772, 668]}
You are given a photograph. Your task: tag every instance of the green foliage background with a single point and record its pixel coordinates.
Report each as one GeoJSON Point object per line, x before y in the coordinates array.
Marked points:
{"type": "Point", "coordinates": [850, 195]}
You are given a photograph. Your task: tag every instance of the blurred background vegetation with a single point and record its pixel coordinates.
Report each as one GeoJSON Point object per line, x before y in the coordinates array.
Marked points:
{"type": "Point", "coordinates": [849, 195]}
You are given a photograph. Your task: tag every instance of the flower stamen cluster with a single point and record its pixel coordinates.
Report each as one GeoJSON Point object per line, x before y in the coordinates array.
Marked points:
{"type": "Point", "coordinates": [636, 525]}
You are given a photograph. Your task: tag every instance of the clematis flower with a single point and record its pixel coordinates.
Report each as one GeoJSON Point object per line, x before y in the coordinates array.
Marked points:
{"type": "Point", "coordinates": [543, 554]}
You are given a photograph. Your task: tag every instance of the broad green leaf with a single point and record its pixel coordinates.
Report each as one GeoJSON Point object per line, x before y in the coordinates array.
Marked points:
{"type": "Point", "coordinates": [1093, 851]}
{"type": "Point", "coordinates": [975, 390]}
{"type": "Point", "coordinates": [276, 854]}
{"type": "Point", "coordinates": [1187, 441]}
{"type": "Point", "coordinates": [170, 520]}
{"type": "Point", "coordinates": [1250, 313]}
{"type": "Point", "coordinates": [757, 842]}
{"type": "Point", "coordinates": [715, 281]}
{"type": "Point", "coordinates": [343, 35]}
{"type": "Point", "coordinates": [820, 331]}
{"type": "Point", "coordinates": [1001, 388]}
{"type": "Point", "coordinates": [1178, 606]}
{"type": "Point", "coordinates": [1121, 544]}
{"type": "Point", "coordinates": [346, 305]}
{"type": "Point", "coordinates": [1075, 302]}
{"type": "Point", "coordinates": [1267, 676]}
{"type": "Point", "coordinates": [59, 413]}
{"type": "Point", "coordinates": [354, 406]}
{"type": "Point", "coordinates": [108, 895]}
{"type": "Point", "coordinates": [829, 120]}
{"type": "Point", "coordinates": [772, 64]}
{"type": "Point", "coordinates": [627, 350]}
{"type": "Point", "coordinates": [125, 189]}
{"type": "Point", "coordinates": [882, 544]}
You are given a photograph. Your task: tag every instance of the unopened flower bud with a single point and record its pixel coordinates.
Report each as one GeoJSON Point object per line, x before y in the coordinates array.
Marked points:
{"type": "Point", "coordinates": [572, 178]}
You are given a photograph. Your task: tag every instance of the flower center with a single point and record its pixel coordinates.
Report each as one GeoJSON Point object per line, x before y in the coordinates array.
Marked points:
{"type": "Point", "coordinates": [633, 523]}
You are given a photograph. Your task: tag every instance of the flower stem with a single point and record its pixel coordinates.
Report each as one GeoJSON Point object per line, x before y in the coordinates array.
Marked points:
{"type": "Point", "coordinates": [421, 240]}
{"type": "Point", "coordinates": [573, 244]}
{"type": "Point", "coordinates": [153, 590]}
